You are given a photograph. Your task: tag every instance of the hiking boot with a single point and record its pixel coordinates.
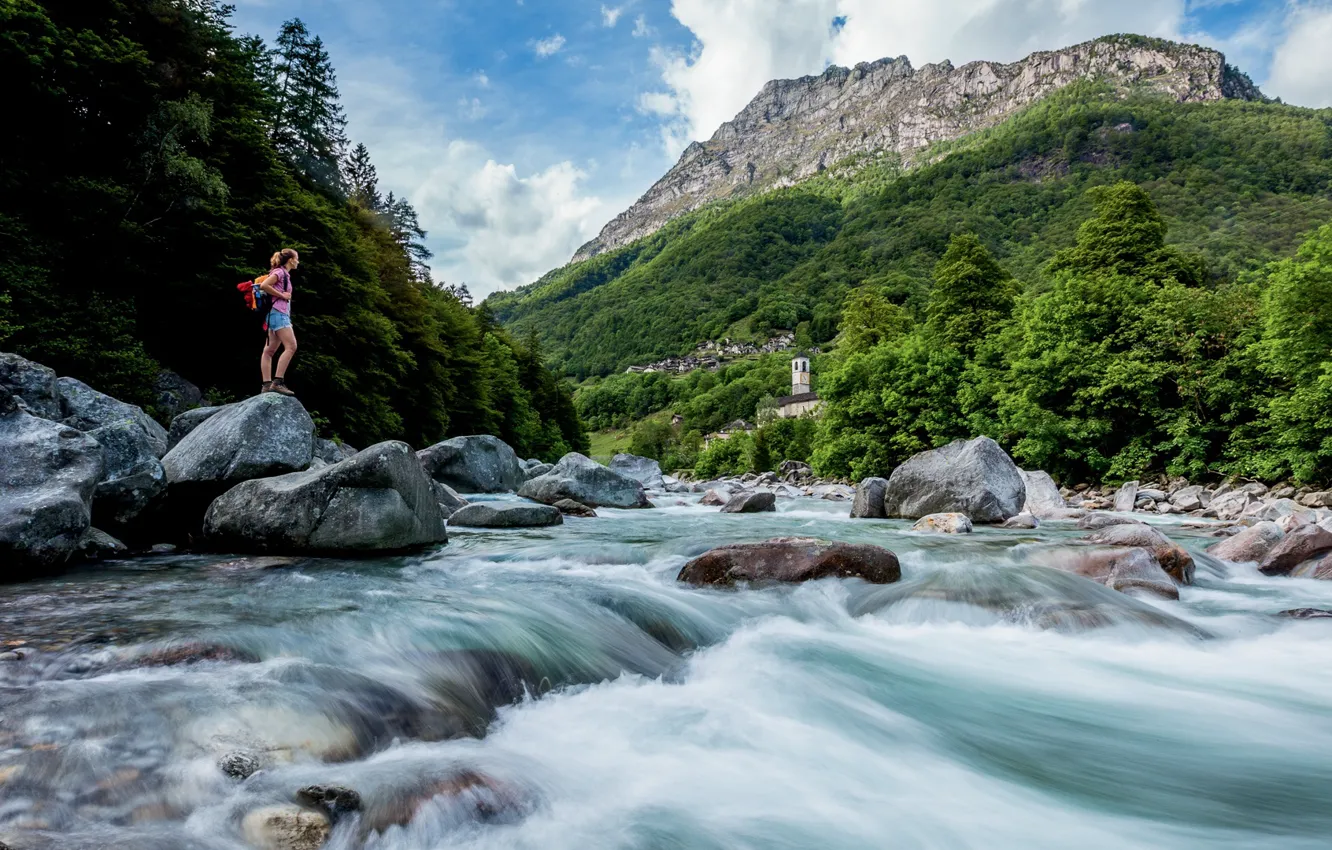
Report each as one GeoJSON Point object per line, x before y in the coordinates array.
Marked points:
{"type": "Point", "coordinates": [267, 387]}
{"type": "Point", "coordinates": [280, 386]}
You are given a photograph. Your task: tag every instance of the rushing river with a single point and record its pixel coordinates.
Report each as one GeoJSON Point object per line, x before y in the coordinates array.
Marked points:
{"type": "Point", "coordinates": [986, 701]}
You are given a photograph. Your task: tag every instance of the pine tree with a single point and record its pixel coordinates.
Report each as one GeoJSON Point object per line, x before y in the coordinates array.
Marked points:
{"type": "Point", "coordinates": [310, 127]}
{"type": "Point", "coordinates": [406, 228]}
{"type": "Point", "coordinates": [293, 39]}
{"type": "Point", "coordinates": [358, 173]}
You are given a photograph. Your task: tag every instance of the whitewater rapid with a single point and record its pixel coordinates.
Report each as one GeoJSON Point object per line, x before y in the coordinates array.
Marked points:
{"type": "Point", "coordinates": [983, 702]}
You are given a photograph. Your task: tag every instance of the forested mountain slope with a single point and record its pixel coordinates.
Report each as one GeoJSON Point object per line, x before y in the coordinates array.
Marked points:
{"type": "Point", "coordinates": [1238, 182]}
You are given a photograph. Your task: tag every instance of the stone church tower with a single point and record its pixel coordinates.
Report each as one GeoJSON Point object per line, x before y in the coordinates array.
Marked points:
{"type": "Point", "coordinates": [800, 376]}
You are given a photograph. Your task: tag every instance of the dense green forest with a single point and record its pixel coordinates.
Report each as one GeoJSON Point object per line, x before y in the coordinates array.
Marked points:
{"type": "Point", "coordinates": [1110, 285]}
{"type": "Point", "coordinates": [155, 158]}
{"type": "Point", "coordinates": [1239, 182]}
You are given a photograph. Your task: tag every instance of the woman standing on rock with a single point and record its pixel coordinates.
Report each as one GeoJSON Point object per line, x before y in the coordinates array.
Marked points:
{"type": "Point", "coordinates": [280, 331]}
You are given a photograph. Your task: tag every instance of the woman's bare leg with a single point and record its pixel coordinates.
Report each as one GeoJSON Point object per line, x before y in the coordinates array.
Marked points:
{"type": "Point", "coordinates": [286, 336]}
{"type": "Point", "coordinates": [266, 360]}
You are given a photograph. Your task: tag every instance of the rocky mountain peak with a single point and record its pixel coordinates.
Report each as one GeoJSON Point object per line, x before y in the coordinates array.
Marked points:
{"type": "Point", "coordinates": [794, 129]}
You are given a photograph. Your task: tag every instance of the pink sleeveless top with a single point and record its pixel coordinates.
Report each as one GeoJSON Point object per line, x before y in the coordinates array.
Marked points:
{"type": "Point", "coordinates": [282, 283]}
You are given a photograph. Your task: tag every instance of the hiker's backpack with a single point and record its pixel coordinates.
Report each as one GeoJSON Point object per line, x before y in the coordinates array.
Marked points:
{"type": "Point", "coordinates": [256, 299]}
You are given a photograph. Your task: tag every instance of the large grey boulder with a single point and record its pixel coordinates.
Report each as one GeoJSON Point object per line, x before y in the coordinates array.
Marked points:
{"type": "Point", "coordinates": [538, 469]}
{"type": "Point", "coordinates": [33, 384]}
{"type": "Point", "coordinates": [972, 477]}
{"type": "Point", "coordinates": [1126, 497]}
{"type": "Point", "coordinates": [379, 500]}
{"type": "Point", "coordinates": [868, 502]}
{"type": "Point", "coordinates": [750, 502]}
{"type": "Point", "coordinates": [1043, 499]}
{"type": "Point", "coordinates": [584, 480]}
{"type": "Point", "coordinates": [476, 464]}
{"type": "Point", "coordinates": [175, 395]}
{"type": "Point", "coordinates": [1300, 544]}
{"type": "Point", "coordinates": [48, 472]}
{"type": "Point", "coordinates": [184, 423]}
{"type": "Point", "coordinates": [644, 470]}
{"type": "Point", "coordinates": [269, 434]}
{"type": "Point", "coordinates": [132, 476]}
{"type": "Point", "coordinates": [499, 515]}
{"type": "Point", "coordinates": [85, 408]}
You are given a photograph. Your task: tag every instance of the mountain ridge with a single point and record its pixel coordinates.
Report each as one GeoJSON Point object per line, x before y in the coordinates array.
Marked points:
{"type": "Point", "coordinates": [794, 129]}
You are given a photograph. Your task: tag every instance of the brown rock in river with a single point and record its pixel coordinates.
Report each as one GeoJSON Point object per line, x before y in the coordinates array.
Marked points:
{"type": "Point", "coordinates": [1303, 543]}
{"type": "Point", "coordinates": [1172, 557]}
{"type": "Point", "coordinates": [1251, 544]}
{"type": "Point", "coordinates": [286, 827]}
{"type": "Point", "coordinates": [472, 796]}
{"type": "Point", "coordinates": [569, 507]}
{"type": "Point", "coordinates": [791, 559]}
{"type": "Point", "coordinates": [1124, 570]}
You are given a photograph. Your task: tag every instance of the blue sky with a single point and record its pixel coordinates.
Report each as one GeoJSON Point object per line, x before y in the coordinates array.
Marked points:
{"type": "Point", "coordinates": [519, 127]}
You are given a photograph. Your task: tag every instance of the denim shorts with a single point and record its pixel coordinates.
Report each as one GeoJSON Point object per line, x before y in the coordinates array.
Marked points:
{"type": "Point", "coordinates": [278, 320]}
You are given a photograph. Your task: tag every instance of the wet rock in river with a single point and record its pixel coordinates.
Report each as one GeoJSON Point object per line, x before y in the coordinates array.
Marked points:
{"type": "Point", "coordinates": [1043, 499]}
{"type": "Point", "coordinates": [467, 795]}
{"type": "Point", "coordinates": [584, 480]}
{"type": "Point", "coordinates": [498, 515]}
{"type": "Point", "coordinates": [972, 477]}
{"type": "Point", "coordinates": [188, 653]}
{"type": "Point", "coordinates": [286, 827]}
{"type": "Point", "coordinates": [1095, 520]}
{"type": "Point", "coordinates": [132, 476]}
{"type": "Point", "coordinates": [1307, 614]}
{"type": "Point", "coordinates": [1251, 544]}
{"type": "Point", "coordinates": [944, 524]}
{"type": "Point", "coordinates": [713, 499]}
{"type": "Point", "coordinates": [750, 503]}
{"type": "Point", "coordinates": [478, 463]}
{"type": "Point", "coordinates": [1023, 520]}
{"type": "Point", "coordinates": [868, 501]}
{"type": "Point", "coordinates": [334, 800]}
{"type": "Point", "coordinates": [791, 559]}
{"type": "Point", "coordinates": [1303, 543]}
{"type": "Point", "coordinates": [239, 765]}
{"type": "Point", "coordinates": [645, 471]}
{"type": "Point", "coordinates": [569, 507]}
{"type": "Point", "coordinates": [1172, 557]}
{"type": "Point", "coordinates": [1125, 570]}
{"type": "Point", "coordinates": [448, 499]}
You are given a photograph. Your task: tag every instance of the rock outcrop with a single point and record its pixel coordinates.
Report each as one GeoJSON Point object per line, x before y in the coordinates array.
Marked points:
{"type": "Point", "coordinates": [48, 472]}
{"type": "Point", "coordinates": [846, 119]}
{"type": "Point", "coordinates": [379, 500]}
{"type": "Point", "coordinates": [475, 464]}
{"type": "Point", "coordinates": [501, 515]}
{"type": "Point", "coordinates": [791, 559]}
{"type": "Point", "coordinates": [972, 477]}
{"type": "Point", "coordinates": [644, 470]}
{"type": "Point", "coordinates": [584, 480]}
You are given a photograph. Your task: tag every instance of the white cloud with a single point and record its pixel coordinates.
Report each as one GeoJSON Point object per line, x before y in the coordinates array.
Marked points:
{"type": "Point", "coordinates": [741, 44]}
{"type": "Point", "coordinates": [1302, 62]}
{"type": "Point", "coordinates": [610, 16]}
{"type": "Point", "coordinates": [471, 108]}
{"type": "Point", "coordinates": [481, 79]}
{"type": "Point", "coordinates": [641, 28]}
{"type": "Point", "coordinates": [548, 46]}
{"type": "Point", "coordinates": [492, 225]}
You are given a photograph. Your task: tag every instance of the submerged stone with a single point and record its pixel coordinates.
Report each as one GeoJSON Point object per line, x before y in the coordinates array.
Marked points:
{"type": "Point", "coordinates": [791, 559]}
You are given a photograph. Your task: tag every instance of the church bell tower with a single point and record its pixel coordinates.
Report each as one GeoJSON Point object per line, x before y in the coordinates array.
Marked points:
{"type": "Point", "coordinates": [799, 376]}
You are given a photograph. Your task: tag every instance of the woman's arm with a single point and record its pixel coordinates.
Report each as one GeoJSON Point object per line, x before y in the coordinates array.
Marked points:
{"type": "Point", "coordinates": [275, 293]}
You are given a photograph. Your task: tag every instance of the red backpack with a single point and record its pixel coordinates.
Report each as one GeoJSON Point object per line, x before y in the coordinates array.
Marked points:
{"type": "Point", "coordinates": [255, 298]}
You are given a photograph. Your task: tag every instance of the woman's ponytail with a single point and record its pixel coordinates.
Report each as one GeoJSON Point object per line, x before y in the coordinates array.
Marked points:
{"type": "Point", "coordinates": [281, 258]}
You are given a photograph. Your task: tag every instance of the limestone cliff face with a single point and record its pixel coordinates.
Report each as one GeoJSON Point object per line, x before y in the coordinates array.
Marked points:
{"type": "Point", "coordinates": [794, 129]}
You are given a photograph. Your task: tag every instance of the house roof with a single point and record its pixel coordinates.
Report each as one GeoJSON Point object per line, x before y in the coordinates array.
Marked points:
{"type": "Point", "coordinates": [797, 399]}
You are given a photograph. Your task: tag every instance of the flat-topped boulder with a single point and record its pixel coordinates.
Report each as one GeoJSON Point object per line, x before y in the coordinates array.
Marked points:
{"type": "Point", "coordinates": [972, 477]}
{"type": "Point", "coordinates": [502, 515]}
{"type": "Point", "coordinates": [378, 500]}
{"type": "Point", "coordinates": [644, 470]}
{"type": "Point", "coordinates": [750, 502]}
{"type": "Point", "coordinates": [791, 559]}
{"type": "Point", "coordinates": [49, 473]}
{"type": "Point", "coordinates": [582, 479]}
{"type": "Point", "coordinates": [474, 464]}
{"type": "Point", "coordinates": [85, 408]}
{"type": "Point", "coordinates": [1097, 519]}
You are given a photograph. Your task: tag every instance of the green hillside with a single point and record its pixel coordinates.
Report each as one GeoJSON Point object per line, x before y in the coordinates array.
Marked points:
{"type": "Point", "coordinates": [1239, 182]}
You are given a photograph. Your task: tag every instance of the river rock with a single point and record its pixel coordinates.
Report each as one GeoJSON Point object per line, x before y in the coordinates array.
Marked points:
{"type": "Point", "coordinates": [1126, 497]}
{"type": "Point", "coordinates": [537, 470]}
{"type": "Point", "coordinates": [1303, 543]}
{"type": "Point", "coordinates": [286, 827]}
{"type": "Point", "coordinates": [268, 434]}
{"type": "Point", "coordinates": [97, 545]}
{"type": "Point", "coordinates": [1231, 505]}
{"type": "Point", "coordinates": [1251, 544]}
{"type": "Point", "coordinates": [1095, 520]}
{"type": "Point", "coordinates": [175, 395]}
{"type": "Point", "coordinates": [187, 421]}
{"type": "Point", "coordinates": [791, 559]}
{"type": "Point", "coordinates": [1318, 567]}
{"type": "Point", "coordinates": [868, 502]}
{"type": "Point", "coordinates": [132, 476]}
{"type": "Point", "coordinates": [1307, 614]}
{"type": "Point", "coordinates": [379, 500]}
{"type": "Point", "coordinates": [972, 477]}
{"type": "Point", "coordinates": [944, 524]}
{"type": "Point", "coordinates": [49, 472]}
{"type": "Point", "coordinates": [32, 384]}
{"type": "Point", "coordinates": [1192, 498]}
{"type": "Point", "coordinates": [334, 800]}
{"type": "Point", "coordinates": [85, 408]}
{"type": "Point", "coordinates": [1125, 570]}
{"type": "Point", "coordinates": [476, 464]}
{"type": "Point", "coordinates": [569, 507]}
{"type": "Point", "coordinates": [500, 515]}
{"type": "Point", "coordinates": [1172, 557]}
{"type": "Point", "coordinates": [753, 502]}
{"type": "Point", "coordinates": [584, 480]}
{"type": "Point", "coordinates": [645, 471]}
{"type": "Point", "coordinates": [1043, 499]}
{"type": "Point", "coordinates": [1023, 520]}
{"type": "Point", "coordinates": [713, 499]}
{"type": "Point", "coordinates": [468, 794]}
{"type": "Point", "coordinates": [239, 764]}
{"type": "Point", "coordinates": [447, 498]}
